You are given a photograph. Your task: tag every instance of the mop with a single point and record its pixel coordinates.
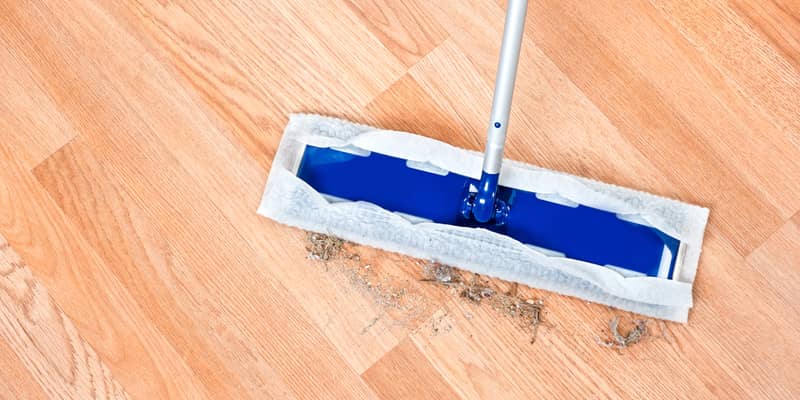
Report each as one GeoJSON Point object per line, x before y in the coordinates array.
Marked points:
{"type": "Point", "coordinates": [418, 196]}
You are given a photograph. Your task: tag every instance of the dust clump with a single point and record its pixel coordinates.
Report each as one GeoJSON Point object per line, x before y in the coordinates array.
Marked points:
{"type": "Point", "coordinates": [620, 341]}
{"type": "Point", "coordinates": [323, 247]}
{"type": "Point", "coordinates": [528, 312]}
{"type": "Point", "coordinates": [440, 273]}
{"type": "Point", "coordinates": [476, 293]}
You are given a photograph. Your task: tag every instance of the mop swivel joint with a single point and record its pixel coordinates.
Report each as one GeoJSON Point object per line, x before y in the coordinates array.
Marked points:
{"type": "Point", "coordinates": [483, 206]}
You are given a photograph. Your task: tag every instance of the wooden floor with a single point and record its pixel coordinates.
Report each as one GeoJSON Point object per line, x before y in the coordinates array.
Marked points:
{"type": "Point", "coordinates": [136, 137]}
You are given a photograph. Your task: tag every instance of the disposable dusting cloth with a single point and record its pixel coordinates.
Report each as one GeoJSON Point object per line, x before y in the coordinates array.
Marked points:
{"type": "Point", "coordinates": [289, 200]}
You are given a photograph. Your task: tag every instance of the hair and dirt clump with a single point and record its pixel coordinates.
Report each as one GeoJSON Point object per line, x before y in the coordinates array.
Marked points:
{"type": "Point", "coordinates": [323, 247]}
{"type": "Point", "coordinates": [527, 311]}
{"type": "Point", "coordinates": [620, 341]}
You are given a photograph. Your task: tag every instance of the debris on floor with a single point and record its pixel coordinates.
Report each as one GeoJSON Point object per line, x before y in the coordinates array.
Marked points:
{"type": "Point", "coordinates": [323, 247]}
{"type": "Point", "coordinates": [440, 322]}
{"type": "Point", "coordinates": [476, 293]}
{"type": "Point", "coordinates": [404, 304]}
{"type": "Point", "coordinates": [440, 273]}
{"type": "Point", "coordinates": [398, 299]}
{"type": "Point", "coordinates": [384, 290]}
{"type": "Point", "coordinates": [527, 311]}
{"type": "Point", "coordinates": [620, 341]}
{"type": "Point", "coordinates": [394, 296]}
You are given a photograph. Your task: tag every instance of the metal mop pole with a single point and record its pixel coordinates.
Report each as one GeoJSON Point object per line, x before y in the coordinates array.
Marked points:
{"type": "Point", "coordinates": [483, 208]}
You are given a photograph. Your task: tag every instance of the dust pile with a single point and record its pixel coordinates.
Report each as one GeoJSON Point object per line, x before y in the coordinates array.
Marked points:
{"type": "Point", "coordinates": [620, 341]}
{"type": "Point", "coordinates": [407, 305]}
{"type": "Point", "coordinates": [527, 312]}
{"type": "Point", "coordinates": [393, 294]}
{"type": "Point", "coordinates": [400, 295]}
{"type": "Point", "coordinates": [323, 247]}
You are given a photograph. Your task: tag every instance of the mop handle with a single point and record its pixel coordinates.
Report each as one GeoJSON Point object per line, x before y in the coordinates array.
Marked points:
{"type": "Point", "coordinates": [504, 85]}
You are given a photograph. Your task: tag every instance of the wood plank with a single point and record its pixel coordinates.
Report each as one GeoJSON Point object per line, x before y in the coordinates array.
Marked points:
{"type": "Point", "coordinates": [405, 28]}
{"type": "Point", "coordinates": [45, 340]}
{"type": "Point", "coordinates": [776, 23]}
{"type": "Point", "coordinates": [754, 314]}
{"type": "Point", "coordinates": [488, 356]}
{"type": "Point", "coordinates": [16, 381]}
{"type": "Point", "coordinates": [765, 78]}
{"type": "Point", "coordinates": [140, 256]}
{"type": "Point", "coordinates": [405, 106]}
{"type": "Point", "coordinates": [30, 123]}
{"type": "Point", "coordinates": [253, 64]}
{"type": "Point", "coordinates": [103, 311]}
{"type": "Point", "coordinates": [778, 261]}
{"type": "Point", "coordinates": [404, 373]}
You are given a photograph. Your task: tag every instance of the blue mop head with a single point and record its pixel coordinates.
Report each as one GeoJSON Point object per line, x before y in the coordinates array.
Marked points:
{"type": "Point", "coordinates": [404, 193]}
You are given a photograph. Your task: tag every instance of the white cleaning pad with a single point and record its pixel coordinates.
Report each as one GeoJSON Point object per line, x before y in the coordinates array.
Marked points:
{"type": "Point", "coordinates": [289, 200]}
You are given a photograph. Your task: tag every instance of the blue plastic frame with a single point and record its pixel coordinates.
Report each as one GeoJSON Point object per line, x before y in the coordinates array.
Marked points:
{"type": "Point", "coordinates": [581, 232]}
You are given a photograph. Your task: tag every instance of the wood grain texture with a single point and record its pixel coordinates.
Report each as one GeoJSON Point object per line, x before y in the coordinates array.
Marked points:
{"type": "Point", "coordinates": [405, 373]}
{"type": "Point", "coordinates": [45, 340]}
{"type": "Point", "coordinates": [778, 260]}
{"type": "Point", "coordinates": [107, 316]}
{"type": "Point", "coordinates": [31, 123]}
{"type": "Point", "coordinates": [16, 381]}
{"type": "Point", "coordinates": [136, 135]}
{"type": "Point", "coordinates": [406, 29]}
